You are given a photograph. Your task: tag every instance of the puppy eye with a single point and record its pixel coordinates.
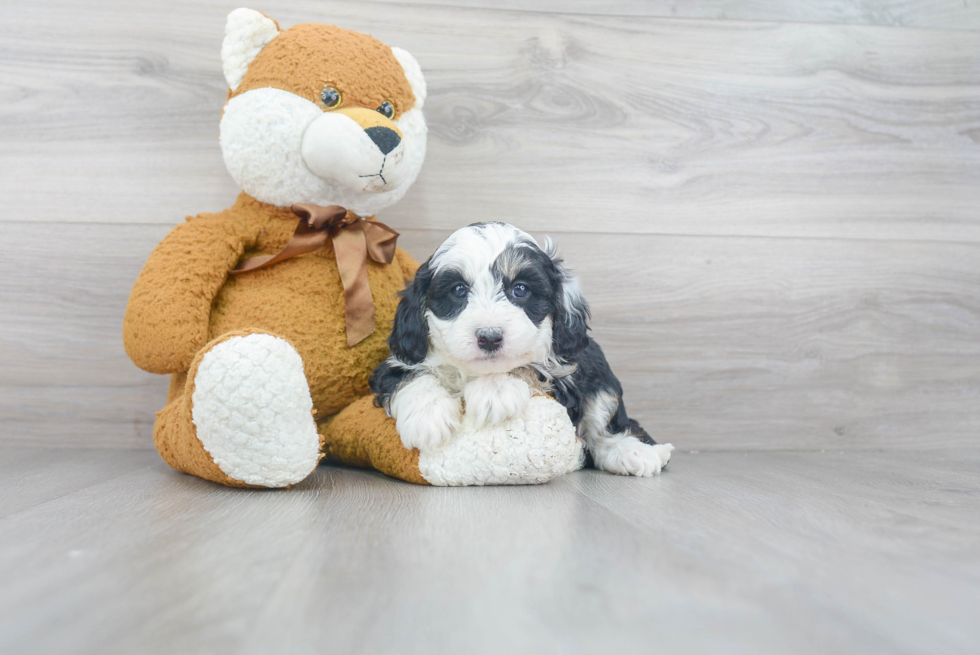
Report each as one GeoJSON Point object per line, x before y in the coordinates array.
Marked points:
{"type": "Point", "coordinates": [386, 109]}
{"type": "Point", "coordinates": [459, 291]}
{"type": "Point", "coordinates": [330, 97]}
{"type": "Point", "coordinates": [520, 291]}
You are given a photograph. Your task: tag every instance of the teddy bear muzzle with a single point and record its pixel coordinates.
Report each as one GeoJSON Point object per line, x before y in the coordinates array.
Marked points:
{"type": "Point", "coordinates": [359, 148]}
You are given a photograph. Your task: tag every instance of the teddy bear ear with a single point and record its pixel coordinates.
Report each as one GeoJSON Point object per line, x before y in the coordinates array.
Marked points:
{"type": "Point", "coordinates": [246, 33]}
{"type": "Point", "coordinates": [413, 72]}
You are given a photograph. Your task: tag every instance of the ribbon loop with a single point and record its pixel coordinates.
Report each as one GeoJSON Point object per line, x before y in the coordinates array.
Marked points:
{"type": "Point", "coordinates": [354, 240]}
{"type": "Point", "coordinates": [381, 241]}
{"type": "Point", "coordinates": [316, 216]}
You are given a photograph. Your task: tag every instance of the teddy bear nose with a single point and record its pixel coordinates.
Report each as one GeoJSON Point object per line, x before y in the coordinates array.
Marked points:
{"type": "Point", "coordinates": [384, 137]}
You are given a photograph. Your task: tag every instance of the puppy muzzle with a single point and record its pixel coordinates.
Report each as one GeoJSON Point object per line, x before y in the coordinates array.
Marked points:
{"type": "Point", "coordinates": [489, 339]}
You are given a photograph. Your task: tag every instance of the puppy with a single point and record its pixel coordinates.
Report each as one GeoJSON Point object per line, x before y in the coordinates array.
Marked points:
{"type": "Point", "coordinates": [488, 320]}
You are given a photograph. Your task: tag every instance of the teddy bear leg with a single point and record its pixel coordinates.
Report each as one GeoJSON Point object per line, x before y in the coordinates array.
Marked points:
{"type": "Point", "coordinates": [244, 415]}
{"type": "Point", "coordinates": [532, 448]}
{"type": "Point", "coordinates": [362, 435]}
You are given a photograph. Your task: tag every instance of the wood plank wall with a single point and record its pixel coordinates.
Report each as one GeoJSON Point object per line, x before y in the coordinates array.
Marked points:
{"type": "Point", "coordinates": [774, 207]}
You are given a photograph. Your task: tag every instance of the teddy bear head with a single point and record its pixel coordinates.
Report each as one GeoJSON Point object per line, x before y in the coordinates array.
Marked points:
{"type": "Point", "coordinates": [320, 114]}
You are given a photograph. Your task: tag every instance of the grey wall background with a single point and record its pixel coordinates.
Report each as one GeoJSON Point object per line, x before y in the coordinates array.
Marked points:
{"type": "Point", "coordinates": [774, 207]}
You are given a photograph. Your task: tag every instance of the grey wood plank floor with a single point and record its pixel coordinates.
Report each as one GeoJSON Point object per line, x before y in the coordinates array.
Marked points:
{"type": "Point", "coordinates": [726, 552]}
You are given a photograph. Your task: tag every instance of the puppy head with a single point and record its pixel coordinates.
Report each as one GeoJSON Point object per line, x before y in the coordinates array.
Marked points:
{"type": "Point", "coordinates": [488, 301]}
{"type": "Point", "coordinates": [320, 114]}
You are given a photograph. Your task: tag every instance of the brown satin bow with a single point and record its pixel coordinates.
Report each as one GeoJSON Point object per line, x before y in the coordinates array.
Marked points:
{"type": "Point", "coordinates": [354, 239]}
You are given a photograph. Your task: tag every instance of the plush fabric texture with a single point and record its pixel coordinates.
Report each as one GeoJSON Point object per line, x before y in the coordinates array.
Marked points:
{"type": "Point", "coordinates": [254, 357]}
{"type": "Point", "coordinates": [188, 317]}
{"type": "Point", "coordinates": [253, 413]}
{"type": "Point", "coordinates": [184, 298]}
{"type": "Point", "coordinates": [282, 144]}
{"type": "Point", "coordinates": [362, 435]}
{"type": "Point", "coordinates": [532, 448]}
{"type": "Point", "coordinates": [247, 32]}
{"type": "Point", "coordinates": [184, 301]}
{"type": "Point", "coordinates": [314, 56]}
{"type": "Point", "coordinates": [413, 73]}
{"type": "Point", "coordinates": [174, 434]}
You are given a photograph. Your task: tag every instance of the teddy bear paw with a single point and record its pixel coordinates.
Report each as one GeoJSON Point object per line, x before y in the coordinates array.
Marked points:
{"type": "Point", "coordinates": [253, 411]}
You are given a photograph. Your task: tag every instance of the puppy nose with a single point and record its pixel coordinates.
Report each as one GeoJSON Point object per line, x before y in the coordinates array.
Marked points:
{"type": "Point", "coordinates": [384, 137]}
{"type": "Point", "coordinates": [489, 339]}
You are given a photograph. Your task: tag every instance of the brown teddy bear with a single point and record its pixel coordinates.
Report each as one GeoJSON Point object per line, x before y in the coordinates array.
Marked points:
{"type": "Point", "coordinates": [276, 310]}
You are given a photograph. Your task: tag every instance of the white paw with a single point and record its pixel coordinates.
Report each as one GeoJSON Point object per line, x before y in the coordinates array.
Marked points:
{"type": "Point", "coordinates": [492, 399]}
{"type": "Point", "coordinates": [253, 411]}
{"type": "Point", "coordinates": [630, 456]}
{"type": "Point", "coordinates": [425, 414]}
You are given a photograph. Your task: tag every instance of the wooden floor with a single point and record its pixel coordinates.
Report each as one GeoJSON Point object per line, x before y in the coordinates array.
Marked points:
{"type": "Point", "coordinates": [726, 552]}
{"type": "Point", "coordinates": [774, 208]}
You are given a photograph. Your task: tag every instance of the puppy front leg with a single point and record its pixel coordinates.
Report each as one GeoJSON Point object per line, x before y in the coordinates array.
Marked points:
{"type": "Point", "coordinates": [494, 398]}
{"type": "Point", "coordinates": [618, 444]}
{"type": "Point", "coordinates": [426, 414]}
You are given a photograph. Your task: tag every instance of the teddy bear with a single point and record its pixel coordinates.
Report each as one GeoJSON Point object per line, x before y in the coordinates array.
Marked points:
{"type": "Point", "coordinates": [270, 316]}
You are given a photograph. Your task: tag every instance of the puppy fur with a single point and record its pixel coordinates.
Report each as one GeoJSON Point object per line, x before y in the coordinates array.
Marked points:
{"type": "Point", "coordinates": [490, 319]}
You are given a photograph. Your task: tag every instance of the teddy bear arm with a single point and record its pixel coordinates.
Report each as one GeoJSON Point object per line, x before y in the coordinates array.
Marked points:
{"type": "Point", "coordinates": [167, 317]}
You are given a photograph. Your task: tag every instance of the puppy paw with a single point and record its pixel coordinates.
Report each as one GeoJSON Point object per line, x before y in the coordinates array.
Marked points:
{"type": "Point", "coordinates": [492, 399]}
{"type": "Point", "coordinates": [630, 456]}
{"type": "Point", "coordinates": [426, 415]}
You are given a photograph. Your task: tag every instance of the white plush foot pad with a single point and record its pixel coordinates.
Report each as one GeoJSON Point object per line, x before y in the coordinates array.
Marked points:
{"type": "Point", "coordinates": [532, 448]}
{"type": "Point", "coordinates": [252, 409]}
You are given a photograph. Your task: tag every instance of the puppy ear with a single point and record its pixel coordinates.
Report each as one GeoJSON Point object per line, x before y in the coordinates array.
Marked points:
{"type": "Point", "coordinates": [409, 338]}
{"type": "Point", "coordinates": [246, 32]}
{"type": "Point", "coordinates": [570, 327]}
{"type": "Point", "coordinates": [385, 380]}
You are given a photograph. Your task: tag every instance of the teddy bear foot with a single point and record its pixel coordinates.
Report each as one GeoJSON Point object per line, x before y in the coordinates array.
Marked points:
{"type": "Point", "coordinates": [538, 445]}
{"type": "Point", "coordinates": [252, 411]}
{"type": "Point", "coordinates": [535, 446]}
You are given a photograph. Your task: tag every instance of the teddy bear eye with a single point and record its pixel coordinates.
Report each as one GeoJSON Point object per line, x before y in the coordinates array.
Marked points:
{"type": "Point", "coordinates": [386, 109]}
{"type": "Point", "coordinates": [330, 96]}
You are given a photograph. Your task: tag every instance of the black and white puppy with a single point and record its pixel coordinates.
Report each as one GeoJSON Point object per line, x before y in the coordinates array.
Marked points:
{"type": "Point", "coordinates": [489, 319]}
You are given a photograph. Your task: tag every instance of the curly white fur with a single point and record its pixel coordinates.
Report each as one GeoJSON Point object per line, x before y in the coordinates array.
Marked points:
{"type": "Point", "coordinates": [494, 398]}
{"type": "Point", "coordinates": [531, 448]}
{"type": "Point", "coordinates": [246, 32]}
{"type": "Point", "coordinates": [267, 134]}
{"type": "Point", "coordinates": [253, 411]}
{"type": "Point", "coordinates": [620, 453]}
{"type": "Point", "coordinates": [426, 414]}
{"type": "Point", "coordinates": [283, 149]}
{"type": "Point", "coordinates": [503, 319]}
